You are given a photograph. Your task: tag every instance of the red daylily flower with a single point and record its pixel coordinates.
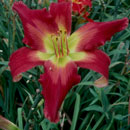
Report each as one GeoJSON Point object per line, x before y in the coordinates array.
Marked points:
{"type": "Point", "coordinates": [80, 7]}
{"type": "Point", "coordinates": [47, 33]}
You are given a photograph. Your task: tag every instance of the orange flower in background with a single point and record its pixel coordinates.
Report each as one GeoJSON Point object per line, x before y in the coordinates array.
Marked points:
{"type": "Point", "coordinates": [82, 7]}
{"type": "Point", "coordinates": [47, 34]}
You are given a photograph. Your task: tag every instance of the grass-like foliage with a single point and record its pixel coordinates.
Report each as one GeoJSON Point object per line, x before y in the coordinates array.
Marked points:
{"type": "Point", "coordinates": [85, 106]}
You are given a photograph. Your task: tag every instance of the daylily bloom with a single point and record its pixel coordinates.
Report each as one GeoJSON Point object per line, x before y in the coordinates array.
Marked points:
{"type": "Point", "coordinates": [47, 34]}
{"type": "Point", "coordinates": [81, 7]}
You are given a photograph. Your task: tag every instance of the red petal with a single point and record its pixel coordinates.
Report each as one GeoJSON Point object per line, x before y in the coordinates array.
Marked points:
{"type": "Point", "coordinates": [62, 15]}
{"type": "Point", "coordinates": [86, 2]}
{"type": "Point", "coordinates": [77, 7]}
{"type": "Point", "coordinates": [61, 0]}
{"type": "Point", "coordinates": [56, 83]}
{"type": "Point", "coordinates": [36, 24]}
{"type": "Point", "coordinates": [88, 19]}
{"type": "Point", "coordinates": [64, 0]}
{"type": "Point", "coordinates": [85, 16]}
{"type": "Point", "coordinates": [95, 60]}
{"type": "Point", "coordinates": [95, 34]}
{"type": "Point", "coordinates": [23, 60]}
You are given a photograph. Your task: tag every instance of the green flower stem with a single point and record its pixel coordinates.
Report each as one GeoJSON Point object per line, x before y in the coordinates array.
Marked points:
{"type": "Point", "coordinates": [36, 101]}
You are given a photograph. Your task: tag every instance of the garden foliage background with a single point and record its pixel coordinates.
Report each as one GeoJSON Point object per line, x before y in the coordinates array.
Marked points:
{"type": "Point", "coordinates": [85, 107]}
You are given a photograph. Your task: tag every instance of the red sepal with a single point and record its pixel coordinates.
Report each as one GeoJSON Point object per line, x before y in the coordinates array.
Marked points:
{"type": "Point", "coordinates": [56, 83]}
{"type": "Point", "coordinates": [36, 24]}
{"type": "Point", "coordinates": [23, 60]}
{"type": "Point", "coordinates": [95, 60]}
{"type": "Point", "coordinates": [62, 14]}
{"type": "Point", "coordinates": [95, 34]}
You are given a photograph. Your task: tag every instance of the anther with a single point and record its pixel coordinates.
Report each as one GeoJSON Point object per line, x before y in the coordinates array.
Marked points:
{"type": "Point", "coordinates": [50, 68]}
{"type": "Point", "coordinates": [56, 38]}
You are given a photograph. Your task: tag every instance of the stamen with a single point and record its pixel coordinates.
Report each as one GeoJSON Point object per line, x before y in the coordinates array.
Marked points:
{"type": "Point", "coordinates": [61, 42]}
{"type": "Point", "coordinates": [66, 42]}
{"type": "Point", "coordinates": [57, 40]}
{"type": "Point", "coordinates": [54, 45]}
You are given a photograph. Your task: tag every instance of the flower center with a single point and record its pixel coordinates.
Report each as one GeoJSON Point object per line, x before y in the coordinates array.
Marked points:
{"type": "Point", "coordinates": [60, 44]}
